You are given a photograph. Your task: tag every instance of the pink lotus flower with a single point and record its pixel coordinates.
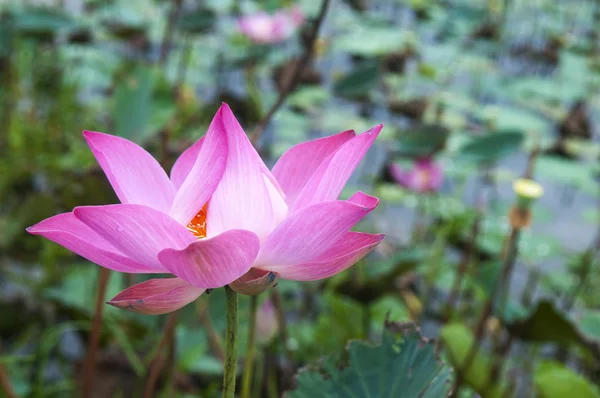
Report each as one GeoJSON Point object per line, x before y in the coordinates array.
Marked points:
{"type": "Point", "coordinates": [220, 215]}
{"type": "Point", "coordinates": [425, 176]}
{"type": "Point", "coordinates": [264, 28]}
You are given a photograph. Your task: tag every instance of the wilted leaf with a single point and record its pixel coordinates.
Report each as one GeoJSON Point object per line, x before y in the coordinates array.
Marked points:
{"type": "Point", "coordinates": [407, 368]}
{"type": "Point", "coordinates": [546, 324]}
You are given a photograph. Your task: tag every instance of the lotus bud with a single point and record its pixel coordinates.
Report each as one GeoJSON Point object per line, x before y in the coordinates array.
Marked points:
{"type": "Point", "coordinates": [266, 322]}
{"type": "Point", "coordinates": [527, 192]}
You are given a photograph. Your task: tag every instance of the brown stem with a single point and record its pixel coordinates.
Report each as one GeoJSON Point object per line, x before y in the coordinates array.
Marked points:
{"type": "Point", "coordinates": [281, 320]}
{"type": "Point", "coordinates": [509, 264]}
{"type": "Point", "coordinates": [463, 267]}
{"type": "Point", "coordinates": [291, 84]}
{"type": "Point", "coordinates": [5, 386]}
{"type": "Point", "coordinates": [184, 63]}
{"type": "Point", "coordinates": [531, 162]}
{"type": "Point", "coordinates": [533, 278]}
{"type": "Point", "coordinates": [504, 285]}
{"type": "Point", "coordinates": [587, 260]}
{"type": "Point", "coordinates": [89, 366]}
{"type": "Point", "coordinates": [157, 363]}
{"type": "Point", "coordinates": [214, 340]}
{"type": "Point", "coordinates": [170, 29]}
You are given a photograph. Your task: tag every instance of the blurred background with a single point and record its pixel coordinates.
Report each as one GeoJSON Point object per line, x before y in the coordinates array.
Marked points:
{"type": "Point", "coordinates": [474, 94]}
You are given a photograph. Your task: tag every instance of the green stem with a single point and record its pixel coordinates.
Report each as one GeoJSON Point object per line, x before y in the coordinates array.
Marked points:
{"type": "Point", "coordinates": [249, 360]}
{"type": "Point", "coordinates": [231, 332]}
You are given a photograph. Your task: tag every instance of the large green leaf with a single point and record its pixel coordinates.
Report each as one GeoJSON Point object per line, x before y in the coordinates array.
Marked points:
{"type": "Point", "coordinates": [42, 22]}
{"type": "Point", "coordinates": [132, 105]}
{"type": "Point", "coordinates": [554, 380]}
{"type": "Point", "coordinates": [406, 368]}
{"type": "Point", "coordinates": [492, 147]}
{"type": "Point", "coordinates": [139, 110]}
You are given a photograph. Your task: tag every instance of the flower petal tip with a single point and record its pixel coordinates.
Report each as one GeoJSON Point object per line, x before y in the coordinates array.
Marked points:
{"type": "Point", "coordinates": [367, 202]}
{"type": "Point", "coordinates": [375, 130]}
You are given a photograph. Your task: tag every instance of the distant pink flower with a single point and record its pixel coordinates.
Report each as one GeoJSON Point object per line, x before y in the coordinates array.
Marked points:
{"type": "Point", "coordinates": [425, 176]}
{"type": "Point", "coordinates": [267, 29]}
{"type": "Point", "coordinates": [220, 214]}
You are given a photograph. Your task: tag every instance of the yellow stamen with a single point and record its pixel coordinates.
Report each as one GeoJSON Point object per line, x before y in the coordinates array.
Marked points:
{"type": "Point", "coordinates": [198, 224]}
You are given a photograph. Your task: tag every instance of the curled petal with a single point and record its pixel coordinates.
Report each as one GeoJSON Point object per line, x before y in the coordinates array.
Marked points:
{"type": "Point", "coordinates": [347, 251]}
{"type": "Point", "coordinates": [134, 174]}
{"type": "Point", "coordinates": [309, 232]}
{"type": "Point", "coordinates": [156, 296]}
{"type": "Point", "coordinates": [213, 262]}
{"type": "Point", "coordinates": [297, 164]}
{"type": "Point", "coordinates": [254, 282]}
{"type": "Point", "coordinates": [331, 176]}
{"type": "Point", "coordinates": [66, 230]}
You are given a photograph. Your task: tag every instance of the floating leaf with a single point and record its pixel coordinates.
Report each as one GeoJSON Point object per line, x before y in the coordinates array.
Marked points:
{"type": "Point", "coordinates": [492, 147]}
{"type": "Point", "coordinates": [567, 171]}
{"type": "Point", "coordinates": [373, 41]}
{"type": "Point", "coordinates": [407, 368]}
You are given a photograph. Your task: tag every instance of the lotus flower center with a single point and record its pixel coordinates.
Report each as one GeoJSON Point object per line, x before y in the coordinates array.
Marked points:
{"type": "Point", "coordinates": [198, 224]}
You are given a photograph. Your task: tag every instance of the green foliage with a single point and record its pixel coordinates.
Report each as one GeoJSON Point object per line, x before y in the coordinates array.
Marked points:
{"type": "Point", "coordinates": [492, 147]}
{"type": "Point", "coordinates": [405, 368]}
{"type": "Point", "coordinates": [554, 380]}
{"type": "Point", "coordinates": [423, 140]}
{"type": "Point", "coordinates": [459, 341]}
{"type": "Point", "coordinates": [358, 82]}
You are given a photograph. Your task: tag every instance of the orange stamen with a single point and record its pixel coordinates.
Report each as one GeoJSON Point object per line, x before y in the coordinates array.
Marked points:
{"type": "Point", "coordinates": [198, 224]}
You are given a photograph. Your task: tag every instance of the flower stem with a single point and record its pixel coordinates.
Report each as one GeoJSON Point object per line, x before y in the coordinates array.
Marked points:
{"type": "Point", "coordinates": [89, 366]}
{"type": "Point", "coordinates": [157, 363]}
{"type": "Point", "coordinates": [231, 332]}
{"type": "Point", "coordinates": [249, 360]}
